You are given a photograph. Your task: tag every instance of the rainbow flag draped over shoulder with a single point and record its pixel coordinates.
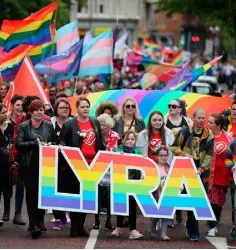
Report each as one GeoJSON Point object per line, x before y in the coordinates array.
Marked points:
{"type": "Point", "coordinates": [33, 30]}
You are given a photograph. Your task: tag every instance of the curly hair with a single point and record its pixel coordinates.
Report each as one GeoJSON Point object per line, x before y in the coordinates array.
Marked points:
{"type": "Point", "coordinates": [107, 105]}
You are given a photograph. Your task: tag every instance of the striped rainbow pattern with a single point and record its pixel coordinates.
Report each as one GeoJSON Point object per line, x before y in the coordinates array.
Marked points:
{"type": "Point", "coordinates": [11, 61]}
{"type": "Point", "coordinates": [97, 56]}
{"type": "Point", "coordinates": [33, 30]}
{"type": "Point", "coordinates": [120, 186]}
{"type": "Point", "coordinates": [197, 197]}
{"type": "Point", "coordinates": [194, 74]}
{"type": "Point", "coordinates": [154, 46]}
{"type": "Point", "coordinates": [149, 101]}
{"type": "Point", "coordinates": [178, 58]}
{"type": "Point", "coordinates": [48, 196]}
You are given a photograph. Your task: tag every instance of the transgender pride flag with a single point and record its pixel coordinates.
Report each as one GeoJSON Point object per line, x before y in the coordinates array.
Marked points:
{"type": "Point", "coordinates": [67, 36]}
{"type": "Point", "coordinates": [97, 56]}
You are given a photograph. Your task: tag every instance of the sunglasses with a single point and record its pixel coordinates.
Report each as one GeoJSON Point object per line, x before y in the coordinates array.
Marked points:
{"type": "Point", "coordinates": [173, 106]}
{"type": "Point", "coordinates": [128, 106]}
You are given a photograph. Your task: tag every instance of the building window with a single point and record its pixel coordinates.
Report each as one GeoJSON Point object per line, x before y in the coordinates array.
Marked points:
{"type": "Point", "coordinates": [101, 6]}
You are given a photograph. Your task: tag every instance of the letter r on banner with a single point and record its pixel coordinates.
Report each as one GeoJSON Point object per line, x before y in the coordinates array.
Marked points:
{"type": "Point", "coordinates": [122, 186]}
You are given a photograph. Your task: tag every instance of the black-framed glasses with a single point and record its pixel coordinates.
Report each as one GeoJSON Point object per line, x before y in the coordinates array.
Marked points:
{"type": "Point", "coordinates": [128, 106]}
{"type": "Point", "coordinates": [173, 106]}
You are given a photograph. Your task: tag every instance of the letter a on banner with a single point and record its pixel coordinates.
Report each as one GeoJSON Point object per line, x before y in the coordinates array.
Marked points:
{"type": "Point", "coordinates": [183, 172]}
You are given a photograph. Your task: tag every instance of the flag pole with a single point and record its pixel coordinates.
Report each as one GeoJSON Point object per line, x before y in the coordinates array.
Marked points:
{"type": "Point", "coordinates": [53, 42]}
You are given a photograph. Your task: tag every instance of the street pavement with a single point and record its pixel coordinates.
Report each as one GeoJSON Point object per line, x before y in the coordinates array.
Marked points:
{"type": "Point", "coordinates": [13, 236]}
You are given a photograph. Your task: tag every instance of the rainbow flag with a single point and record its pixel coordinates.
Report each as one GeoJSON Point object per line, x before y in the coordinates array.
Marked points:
{"type": "Point", "coordinates": [134, 58]}
{"type": "Point", "coordinates": [67, 36]}
{"type": "Point", "coordinates": [10, 62]}
{"type": "Point", "coordinates": [194, 74]}
{"type": "Point", "coordinates": [148, 44]}
{"type": "Point", "coordinates": [36, 53]}
{"type": "Point", "coordinates": [150, 77]}
{"type": "Point", "coordinates": [178, 58]}
{"type": "Point", "coordinates": [149, 101]}
{"type": "Point", "coordinates": [33, 30]}
{"type": "Point", "coordinates": [178, 78]}
{"type": "Point", "coordinates": [137, 48]}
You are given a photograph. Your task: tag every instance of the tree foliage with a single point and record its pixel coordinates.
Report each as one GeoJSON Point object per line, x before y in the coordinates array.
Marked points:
{"type": "Point", "coordinates": [20, 9]}
{"type": "Point", "coordinates": [220, 13]}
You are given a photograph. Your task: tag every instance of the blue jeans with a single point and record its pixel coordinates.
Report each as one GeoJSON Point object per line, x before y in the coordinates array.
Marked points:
{"type": "Point", "coordinates": [19, 197]}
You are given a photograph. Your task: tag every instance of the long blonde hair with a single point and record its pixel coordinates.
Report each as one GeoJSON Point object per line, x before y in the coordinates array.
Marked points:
{"type": "Point", "coordinates": [136, 114]}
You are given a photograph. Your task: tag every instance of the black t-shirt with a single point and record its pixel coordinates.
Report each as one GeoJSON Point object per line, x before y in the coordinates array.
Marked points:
{"type": "Point", "coordinates": [171, 126]}
{"type": "Point", "coordinates": [196, 148]}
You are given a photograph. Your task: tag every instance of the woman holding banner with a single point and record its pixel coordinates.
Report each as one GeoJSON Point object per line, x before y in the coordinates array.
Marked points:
{"type": "Point", "coordinates": [83, 132]}
{"type": "Point", "coordinates": [110, 139]}
{"type": "Point", "coordinates": [31, 133]}
{"type": "Point", "coordinates": [177, 119]}
{"type": "Point", "coordinates": [62, 112]}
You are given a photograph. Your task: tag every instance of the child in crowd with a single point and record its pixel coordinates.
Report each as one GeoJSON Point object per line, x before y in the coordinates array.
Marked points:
{"type": "Point", "coordinates": [162, 224]}
{"type": "Point", "coordinates": [128, 146]}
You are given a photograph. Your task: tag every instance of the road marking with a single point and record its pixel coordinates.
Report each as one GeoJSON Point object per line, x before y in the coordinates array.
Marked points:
{"type": "Point", "coordinates": [92, 239]}
{"type": "Point", "coordinates": [218, 242]}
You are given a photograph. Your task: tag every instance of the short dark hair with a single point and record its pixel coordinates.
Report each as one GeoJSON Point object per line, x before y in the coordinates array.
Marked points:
{"type": "Point", "coordinates": [27, 101]}
{"type": "Point", "coordinates": [219, 120]}
{"type": "Point", "coordinates": [61, 95]}
{"type": "Point", "coordinates": [36, 105]}
{"type": "Point", "coordinates": [82, 99]}
{"type": "Point", "coordinates": [58, 103]}
{"type": "Point", "coordinates": [16, 98]}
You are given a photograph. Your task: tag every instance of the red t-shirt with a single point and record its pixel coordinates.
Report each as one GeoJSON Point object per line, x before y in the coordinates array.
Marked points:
{"type": "Point", "coordinates": [233, 130]}
{"type": "Point", "coordinates": [153, 143]}
{"type": "Point", "coordinates": [89, 137]}
{"type": "Point", "coordinates": [221, 174]}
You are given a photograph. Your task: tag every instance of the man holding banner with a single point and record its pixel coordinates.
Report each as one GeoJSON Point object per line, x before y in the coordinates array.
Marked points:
{"type": "Point", "coordinates": [196, 142]}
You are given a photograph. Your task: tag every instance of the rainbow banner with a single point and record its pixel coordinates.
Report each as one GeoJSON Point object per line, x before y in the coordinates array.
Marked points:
{"type": "Point", "coordinates": [182, 171]}
{"type": "Point", "coordinates": [33, 30]}
{"type": "Point", "coordinates": [149, 101]}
